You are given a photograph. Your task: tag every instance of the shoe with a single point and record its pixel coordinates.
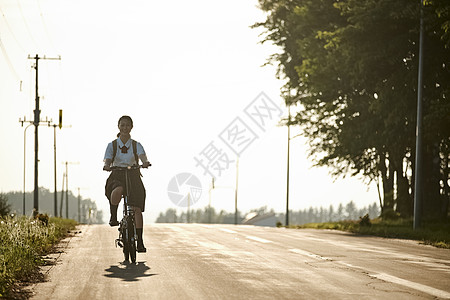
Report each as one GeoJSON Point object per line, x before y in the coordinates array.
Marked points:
{"type": "Point", "coordinates": [113, 219]}
{"type": "Point", "coordinates": [113, 223]}
{"type": "Point", "coordinates": [140, 247]}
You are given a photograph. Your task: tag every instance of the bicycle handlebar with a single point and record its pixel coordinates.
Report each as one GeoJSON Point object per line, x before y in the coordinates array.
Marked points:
{"type": "Point", "coordinates": [134, 167]}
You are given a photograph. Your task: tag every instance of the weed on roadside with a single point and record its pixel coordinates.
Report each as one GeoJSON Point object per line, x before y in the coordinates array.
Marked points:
{"type": "Point", "coordinates": [432, 233]}
{"type": "Point", "coordinates": [23, 241]}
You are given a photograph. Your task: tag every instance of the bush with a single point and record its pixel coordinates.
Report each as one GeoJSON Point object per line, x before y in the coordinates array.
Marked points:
{"type": "Point", "coordinates": [43, 218]}
{"type": "Point", "coordinates": [365, 221]}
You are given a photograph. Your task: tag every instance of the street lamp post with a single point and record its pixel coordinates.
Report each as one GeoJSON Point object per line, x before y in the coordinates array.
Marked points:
{"type": "Point", "coordinates": [24, 162]}
{"type": "Point", "coordinates": [48, 122]}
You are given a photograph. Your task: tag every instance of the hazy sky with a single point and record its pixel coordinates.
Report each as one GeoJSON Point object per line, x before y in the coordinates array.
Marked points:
{"type": "Point", "coordinates": [185, 71]}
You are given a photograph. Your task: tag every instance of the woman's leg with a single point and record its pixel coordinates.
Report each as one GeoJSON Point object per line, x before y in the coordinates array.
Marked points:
{"type": "Point", "coordinates": [138, 217]}
{"type": "Point", "coordinates": [139, 228]}
{"type": "Point", "coordinates": [116, 195]}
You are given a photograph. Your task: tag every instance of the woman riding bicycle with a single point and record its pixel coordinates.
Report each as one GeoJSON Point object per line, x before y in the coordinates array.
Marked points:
{"type": "Point", "coordinates": [123, 156]}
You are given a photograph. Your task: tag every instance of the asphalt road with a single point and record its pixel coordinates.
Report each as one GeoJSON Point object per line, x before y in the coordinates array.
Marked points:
{"type": "Point", "coordinates": [244, 262]}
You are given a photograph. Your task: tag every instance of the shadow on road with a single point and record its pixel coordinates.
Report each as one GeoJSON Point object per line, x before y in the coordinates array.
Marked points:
{"type": "Point", "coordinates": [129, 271]}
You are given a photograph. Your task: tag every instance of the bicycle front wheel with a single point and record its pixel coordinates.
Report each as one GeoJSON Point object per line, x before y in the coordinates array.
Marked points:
{"type": "Point", "coordinates": [131, 241]}
{"type": "Point", "coordinates": [125, 240]}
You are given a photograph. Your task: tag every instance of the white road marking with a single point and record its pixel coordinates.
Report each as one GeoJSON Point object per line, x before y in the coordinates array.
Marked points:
{"type": "Point", "coordinates": [306, 253]}
{"type": "Point", "coordinates": [258, 239]}
{"type": "Point", "coordinates": [206, 225]}
{"type": "Point", "coordinates": [393, 279]}
{"type": "Point", "coordinates": [431, 263]}
{"type": "Point", "coordinates": [228, 230]}
{"type": "Point", "coordinates": [211, 245]}
{"type": "Point", "coordinates": [417, 286]}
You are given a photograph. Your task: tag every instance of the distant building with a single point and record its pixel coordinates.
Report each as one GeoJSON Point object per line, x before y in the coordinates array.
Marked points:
{"type": "Point", "coordinates": [256, 219]}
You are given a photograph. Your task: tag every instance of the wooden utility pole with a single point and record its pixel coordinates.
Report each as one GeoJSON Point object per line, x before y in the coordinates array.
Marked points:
{"type": "Point", "coordinates": [54, 160]}
{"type": "Point", "coordinates": [287, 176]}
{"type": "Point", "coordinates": [236, 193]}
{"type": "Point", "coordinates": [189, 209]}
{"type": "Point", "coordinates": [418, 172]}
{"type": "Point", "coordinates": [37, 120]}
{"type": "Point", "coordinates": [209, 206]}
{"type": "Point", "coordinates": [67, 186]}
{"type": "Point", "coordinates": [79, 206]}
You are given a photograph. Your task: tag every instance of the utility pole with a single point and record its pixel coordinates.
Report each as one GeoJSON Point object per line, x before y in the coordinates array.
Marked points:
{"type": "Point", "coordinates": [79, 206]}
{"type": "Point", "coordinates": [236, 193]}
{"type": "Point", "coordinates": [189, 209]}
{"type": "Point", "coordinates": [54, 159]}
{"type": "Point", "coordinates": [288, 154]}
{"type": "Point", "coordinates": [418, 175]}
{"type": "Point", "coordinates": [62, 195]}
{"type": "Point", "coordinates": [67, 186]}
{"type": "Point", "coordinates": [209, 209]}
{"type": "Point", "coordinates": [37, 120]}
{"type": "Point", "coordinates": [67, 190]}
{"type": "Point", "coordinates": [54, 171]}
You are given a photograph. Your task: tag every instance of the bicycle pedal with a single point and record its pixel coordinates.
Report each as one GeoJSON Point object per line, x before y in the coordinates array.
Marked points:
{"type": "Point", "coordinates": [119, 243]}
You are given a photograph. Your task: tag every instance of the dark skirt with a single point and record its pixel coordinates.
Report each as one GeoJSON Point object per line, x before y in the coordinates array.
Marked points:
{"type": "Point", "coordinates": [135, 186]}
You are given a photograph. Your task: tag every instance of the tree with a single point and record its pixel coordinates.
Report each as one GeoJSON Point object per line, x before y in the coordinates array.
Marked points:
{"type": "Point", "coordinates": [351, 68]}
{"type": "Point", "coordinates": [89, 212]}
{"type": "Point", "coordinates": [351, 211]}
{"type": "Point", "coordinates": [331, 214]}
{"type": "Point", "coordinates": [5, 208]}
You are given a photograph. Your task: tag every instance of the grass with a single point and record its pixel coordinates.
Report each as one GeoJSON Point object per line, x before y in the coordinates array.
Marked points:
{"type": "Point", "coordinates": [432, 233]}
{"type": "Point", "coordinates": [23, 242]}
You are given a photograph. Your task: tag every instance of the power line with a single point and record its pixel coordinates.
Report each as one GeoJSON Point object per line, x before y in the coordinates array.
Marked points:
{"type": "Point", "coordinates": [9, 61]}
{"type": "Point", "coordinates": [45, 25]}
{"type": "Point", "coordinates": [12, 32]}
{"type": "Point", "coordinates": [26, 24]}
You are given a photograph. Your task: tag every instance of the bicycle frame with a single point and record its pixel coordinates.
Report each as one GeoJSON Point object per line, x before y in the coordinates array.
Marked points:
{"type": "Point", "coordinates": [127, 228]}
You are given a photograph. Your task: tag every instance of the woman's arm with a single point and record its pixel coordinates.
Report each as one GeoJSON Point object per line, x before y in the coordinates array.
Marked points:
{"type": "Point", "coordinates": [107, 166]}
{"type": "Point", "coordinates": [145, 162]}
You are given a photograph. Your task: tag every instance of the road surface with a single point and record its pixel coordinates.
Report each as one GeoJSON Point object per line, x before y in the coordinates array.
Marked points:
{"type": "Point", "coordinates": [195, 261]}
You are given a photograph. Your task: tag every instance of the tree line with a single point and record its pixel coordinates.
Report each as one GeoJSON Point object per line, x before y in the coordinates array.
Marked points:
{"type": "Point", "coordinates": [12, 202]}
{"type": "Point", "coordinates": [309, 215]}
{"type": "Point", "coordinates": [351, 73]}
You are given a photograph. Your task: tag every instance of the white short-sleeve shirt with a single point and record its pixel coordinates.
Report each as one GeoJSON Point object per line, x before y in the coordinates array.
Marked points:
{"type": "Point", "coordinates": [123, 159]}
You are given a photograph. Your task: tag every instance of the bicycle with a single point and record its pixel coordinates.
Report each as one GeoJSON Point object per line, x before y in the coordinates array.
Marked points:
{"type": "Point", "coordinates": [127, 226]}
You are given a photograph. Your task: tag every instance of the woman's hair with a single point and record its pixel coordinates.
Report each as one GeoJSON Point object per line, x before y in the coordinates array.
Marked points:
{"type": "Point", "coordinates": [124, 118]}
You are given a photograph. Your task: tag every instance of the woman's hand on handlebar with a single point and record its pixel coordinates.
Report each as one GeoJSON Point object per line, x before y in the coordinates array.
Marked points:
{"type": "Point", "coordinates": [107, 165]}
{"type": "Point", "coordinates": [109, 168]}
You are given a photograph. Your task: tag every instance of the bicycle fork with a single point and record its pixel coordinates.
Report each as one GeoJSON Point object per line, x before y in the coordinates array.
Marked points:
{"type": "Point", "coordinates": [124, 227]}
